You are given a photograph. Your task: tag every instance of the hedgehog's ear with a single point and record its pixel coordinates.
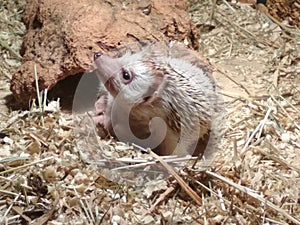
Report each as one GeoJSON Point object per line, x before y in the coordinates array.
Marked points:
{"type": "Point", "coordinates": [159, 81]}
{"type": "Point", "coordinates": [154, 91]}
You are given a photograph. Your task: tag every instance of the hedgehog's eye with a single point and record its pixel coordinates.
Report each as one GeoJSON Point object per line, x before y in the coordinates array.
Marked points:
{"type": "Point", "coordinates": [126, 76]}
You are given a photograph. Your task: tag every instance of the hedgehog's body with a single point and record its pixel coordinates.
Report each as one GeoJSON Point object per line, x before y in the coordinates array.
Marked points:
{"type": "Point", "coordinates": [157, 82]}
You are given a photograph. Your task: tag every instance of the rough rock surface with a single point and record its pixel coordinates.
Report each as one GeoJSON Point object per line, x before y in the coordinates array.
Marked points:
{"type": "Point", "coordinates": [63, 35]}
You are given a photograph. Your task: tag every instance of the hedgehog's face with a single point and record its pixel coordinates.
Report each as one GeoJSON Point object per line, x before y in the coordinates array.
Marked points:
{"type": "Point", "coordinates": [128, 77]}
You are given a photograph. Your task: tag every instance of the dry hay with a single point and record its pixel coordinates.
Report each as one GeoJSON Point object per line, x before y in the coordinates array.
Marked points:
{"type": "Point", "coordinates": [285, 11]}
{"type": "Point", "coordinates": [255, 176]}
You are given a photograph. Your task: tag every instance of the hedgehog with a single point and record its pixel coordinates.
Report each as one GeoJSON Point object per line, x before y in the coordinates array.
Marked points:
{"type": "Point", "coordinates": [162, 96]}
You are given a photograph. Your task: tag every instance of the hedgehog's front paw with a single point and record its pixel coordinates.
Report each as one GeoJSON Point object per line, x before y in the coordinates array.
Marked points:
{"type": "Point", "coordinates": [100, 107]}
{"type": "Point", "coordinates": [99, 119]}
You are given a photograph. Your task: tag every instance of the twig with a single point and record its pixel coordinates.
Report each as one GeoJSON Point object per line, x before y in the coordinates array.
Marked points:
{"type": "Point", "coordinates": [264, 10]}
{"type": "Point", "coordinates": [37, 138]}
{"type": "Point", "coordinates": [230, 78]}
{"type": "Point", "coordinates": [221, 198]}
{"type": "Point", "coordinates": [38, 94]}
{"type": "Point", "coordinates": [161, 198]}
{"type": "Point", "coordinates": [273, 157]}
{"type": "Point", "coordinates": [21, 213]}
{"type": "Point", "coordinates": [9, 208]}
{"type": "Point", "coordinates": [5, 45]}
{"type": "Point", "coordinates": [259, 127]}
{"type": "Point", "coordinates": [8, 192]}
{"type": "Point", "coordinates": [147, 163]}
{"type": "Point", "coordinates": [286, 113]}
{"type": "Point", "coordinates": [264, 121]}
{"type": "Point", "coordinates": [252, 193]}
{"type": "Point", "coordinates": [13, 159]}
{"type": "Point", "coordinates": [212, 13]}
{"type": "Point", "coordinates": [228, 5]}
{"type": "Point", "coordinates": [24, 166]}
{"type": "Point", "coordinates": [290, 104]}
{"type": "Point", "coordinates": [99, 221]}
{"type": "Point", "coordinates": [245, 33]}
{"type": "Point", "coordinates": [13, 119]}
{"type": "Point", "coordinates": [181, 182]}
{"type": "Point", "coordinates": [47, 214]}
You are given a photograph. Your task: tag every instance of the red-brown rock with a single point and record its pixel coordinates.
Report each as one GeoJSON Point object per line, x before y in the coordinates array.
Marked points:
{"type": "Point", "coordinates": [63, 35]}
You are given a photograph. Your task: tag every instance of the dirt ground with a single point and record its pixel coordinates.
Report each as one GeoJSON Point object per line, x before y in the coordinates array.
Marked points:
{"type": "Point", "coordinates": [254, 179]}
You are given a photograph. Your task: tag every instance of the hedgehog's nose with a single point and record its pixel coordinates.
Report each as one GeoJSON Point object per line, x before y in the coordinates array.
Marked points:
{"type": "Point", "coordinates": [97, 55]}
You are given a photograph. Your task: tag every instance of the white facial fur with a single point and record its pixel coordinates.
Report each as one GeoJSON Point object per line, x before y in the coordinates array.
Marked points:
{"type": "Point", "coordinates": [112, 69]}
